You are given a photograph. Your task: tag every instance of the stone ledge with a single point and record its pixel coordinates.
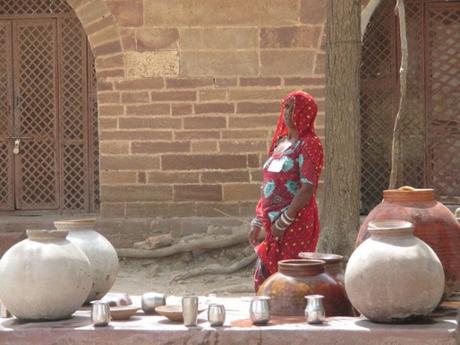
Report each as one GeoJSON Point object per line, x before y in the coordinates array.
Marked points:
{"type": "Point", "coordinates": [142, 329]}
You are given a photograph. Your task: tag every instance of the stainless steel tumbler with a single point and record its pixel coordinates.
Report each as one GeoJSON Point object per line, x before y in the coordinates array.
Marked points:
{"type": "Point", "coordinates": [216, 315]}
{"type": "Point", "coordinates": [190, 310]}
{"type": "Point", "coordinates": [259, 310]}
{"type": "Point", "coordinates": [100, 314]}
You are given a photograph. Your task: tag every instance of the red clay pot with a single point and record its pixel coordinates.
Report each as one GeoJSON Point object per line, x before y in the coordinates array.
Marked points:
{"type": "Point", "coordinates": [334, 263]}
{"type": "Point", "coordinates": [296, 279]}
{"type": "Point", "coordinates": [433, 222]}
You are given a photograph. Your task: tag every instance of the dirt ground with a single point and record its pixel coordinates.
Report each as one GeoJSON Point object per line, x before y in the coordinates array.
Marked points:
{"type": "Point", "coordinates": [137, 276]}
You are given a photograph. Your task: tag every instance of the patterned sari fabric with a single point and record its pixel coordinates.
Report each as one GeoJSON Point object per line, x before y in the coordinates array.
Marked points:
{"type": "Point", "coordinates": [284, 173]}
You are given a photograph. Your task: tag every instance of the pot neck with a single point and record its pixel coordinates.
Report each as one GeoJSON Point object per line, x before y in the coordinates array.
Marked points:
{"type": "Point", "coordinates": [406, 194]}
{"type": "Point", "coordinates": [77, 224]}
{"type": "Point", "coordinates": [46, 235]}
{"type": "Point", "coordinates": [301, 267]}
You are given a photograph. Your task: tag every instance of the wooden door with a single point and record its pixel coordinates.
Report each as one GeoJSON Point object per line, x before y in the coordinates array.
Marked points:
{"type": "Point", "coordinates": [35, 114]}
{"type": "Point", "coordinates": [6, 118]}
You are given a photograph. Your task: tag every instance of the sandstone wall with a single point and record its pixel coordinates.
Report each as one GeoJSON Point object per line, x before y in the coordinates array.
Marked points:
{"type": "Point", "coordinates": [188, 95]}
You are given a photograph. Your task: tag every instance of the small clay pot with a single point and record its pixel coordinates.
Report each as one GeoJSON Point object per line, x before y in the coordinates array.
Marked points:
{"type": "Point", "coordinates": [298, 278]}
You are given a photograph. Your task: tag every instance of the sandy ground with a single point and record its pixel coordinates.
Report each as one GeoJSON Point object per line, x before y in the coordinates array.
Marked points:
{"type": "Point", "coordinates": [138, 276]}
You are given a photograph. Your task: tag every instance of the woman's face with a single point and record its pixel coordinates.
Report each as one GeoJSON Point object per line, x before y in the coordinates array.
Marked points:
{"type": "Point", "coordinates": [289, 106]}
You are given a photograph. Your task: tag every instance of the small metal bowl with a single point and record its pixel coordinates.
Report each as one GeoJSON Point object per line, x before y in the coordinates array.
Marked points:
{"type": "Point", "coordinates": [151, 300]}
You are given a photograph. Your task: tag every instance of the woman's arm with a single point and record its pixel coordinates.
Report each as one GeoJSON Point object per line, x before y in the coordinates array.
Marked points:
{"type": "Point", "coordinates": [301, 199]}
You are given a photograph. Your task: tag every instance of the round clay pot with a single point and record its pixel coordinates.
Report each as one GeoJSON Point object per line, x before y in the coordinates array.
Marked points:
{"type": "Point", "coordinates": [333, 266]}
{"type": "Point", "coordinates": [394, 276]}
{"type": "Point", "coordinates": [100, 252]}
{"type": "Point", "coordinates": [433, 223]}
{"type": "Point", "coordinates": [296, 279]}
{"type": "Point", "coordinates": [44, 277]}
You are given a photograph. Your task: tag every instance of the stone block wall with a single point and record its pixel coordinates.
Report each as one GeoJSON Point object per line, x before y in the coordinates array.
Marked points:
{"type": "Point", "coordinates": [188, 95]}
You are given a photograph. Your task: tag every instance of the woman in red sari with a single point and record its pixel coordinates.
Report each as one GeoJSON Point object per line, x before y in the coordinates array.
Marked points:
{"type": "Point", "coordinates": [287, 208]}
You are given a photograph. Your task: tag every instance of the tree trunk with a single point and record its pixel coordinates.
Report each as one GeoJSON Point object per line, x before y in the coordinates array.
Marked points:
{"type": "Point", "coordinates": [341, 197]}
{"type": "Point", "coordinates": [396, 147]}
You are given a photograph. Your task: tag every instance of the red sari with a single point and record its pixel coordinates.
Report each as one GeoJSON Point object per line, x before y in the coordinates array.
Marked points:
{"type": "Point", "coordinates": [283, 175]}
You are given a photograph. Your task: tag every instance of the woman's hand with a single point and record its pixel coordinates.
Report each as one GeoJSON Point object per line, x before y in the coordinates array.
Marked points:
{"type": "Point", "coordinates": [254, 235]}
{"type": "Point", "coordinates": [277, 233]}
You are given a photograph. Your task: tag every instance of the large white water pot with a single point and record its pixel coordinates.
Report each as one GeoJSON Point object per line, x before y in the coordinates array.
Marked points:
{"type": "Point", "coordinates": [44, 277]}
{"type": "Point", "coordinates": [100, 252]}
{"type": "Point", "coordinates": [394, 276]}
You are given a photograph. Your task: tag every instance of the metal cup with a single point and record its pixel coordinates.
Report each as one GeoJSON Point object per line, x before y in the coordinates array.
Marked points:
{"type": "Point", "coordinates": [314, 312]}
{"type": "Point", "coordinates": [4, 312]}
{"type": "Point", "coordinates": [259, 310]}
{"type": "Point", "coordinates": [190, 310]}
{"type": "Point", "coordinates": [100, 314]}
{"type": "Point", "coordinates": [216, 315]}
{"type": "Point", "coordinates": [151, 300]}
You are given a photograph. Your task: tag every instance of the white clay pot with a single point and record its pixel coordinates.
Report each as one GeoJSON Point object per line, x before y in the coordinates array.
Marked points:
{"type": "Point", "coordinates": [100, 252]}
{"type": "Point", "coordinates": [394, 276]}
{"type": "Point", "coordinates": [44, 277]}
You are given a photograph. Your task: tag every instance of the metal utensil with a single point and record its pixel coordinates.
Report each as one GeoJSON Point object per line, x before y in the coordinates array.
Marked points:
{"type": "Point", "coordinates": [190, 310]}
{"type": "Point", "coordinates": [151, 300]}
{"type": "Point", "coordinates": [100, 314]}
{"type": "Point", "coordinates": [314, 312]}
{"type": "Point", "coordinates": [259, 310]}
{"type": "Point", "coordinates": [216, 315]}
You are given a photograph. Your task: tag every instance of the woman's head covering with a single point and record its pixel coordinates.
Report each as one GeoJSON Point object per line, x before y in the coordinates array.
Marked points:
{"type": "Point", "coordinates": [303, 117]}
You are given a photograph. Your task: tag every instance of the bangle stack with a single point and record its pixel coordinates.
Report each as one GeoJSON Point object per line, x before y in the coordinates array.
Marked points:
{"type": "Point", "coordinates": [257, 222]}
{"type": "Point", "coordinates": [283, 221]}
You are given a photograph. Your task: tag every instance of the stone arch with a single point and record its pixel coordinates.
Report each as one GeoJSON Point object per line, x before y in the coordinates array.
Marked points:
{"type": "Point", "coordinates": [104, 37]}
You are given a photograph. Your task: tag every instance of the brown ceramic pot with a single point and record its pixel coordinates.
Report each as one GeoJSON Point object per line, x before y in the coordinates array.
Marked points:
{"type": "Point", "coordinates": [434, 224]}
{"type": "Point", "coordinates": [334, 263]}
{"type": "Point", "coordinates": [296, 279]}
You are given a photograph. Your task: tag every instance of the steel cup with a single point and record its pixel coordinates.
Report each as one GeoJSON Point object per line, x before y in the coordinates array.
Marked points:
{"type": "Point", "coordinates": [100, 314]}
{"type": "Point", "coordinates": [190, 310]}
{"type": "Point", "coordinates": [216, 315]}
{"type": "Point", "coordinates": [151, 300]}
{"type": "Point", "coordinates": [314, 312]}
{"type": "Point", "coordinates": [259, 310]}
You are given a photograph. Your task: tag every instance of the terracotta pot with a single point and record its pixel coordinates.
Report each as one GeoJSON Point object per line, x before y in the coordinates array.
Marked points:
{"type": "Point", "coordinates": [8, 239]}
{"type": "Point", "coordinates": [334, 263]}
{"type": "Point", "coordinates": [394, 276]}
{"type": "Point", "coordinates": [433, 222]}
{"type": "Point", "coordinates": [44, 277]}
{"type": "Point", "coordinates": [100, 252]}
{"type": "Point", "coordinates": [297, 278]}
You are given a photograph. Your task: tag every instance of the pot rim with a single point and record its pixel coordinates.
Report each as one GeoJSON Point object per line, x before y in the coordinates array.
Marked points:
{"type": "Point", "coordinates": [84, 223]}
{"type": "Point", "coordinates": [46, 234]}
{"type": "Point", "coordinates": [301, 267]}
{"type": "Point", "coordinates": [388, 227]}
{"type": "Point", "coordinates": [329, 258]}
